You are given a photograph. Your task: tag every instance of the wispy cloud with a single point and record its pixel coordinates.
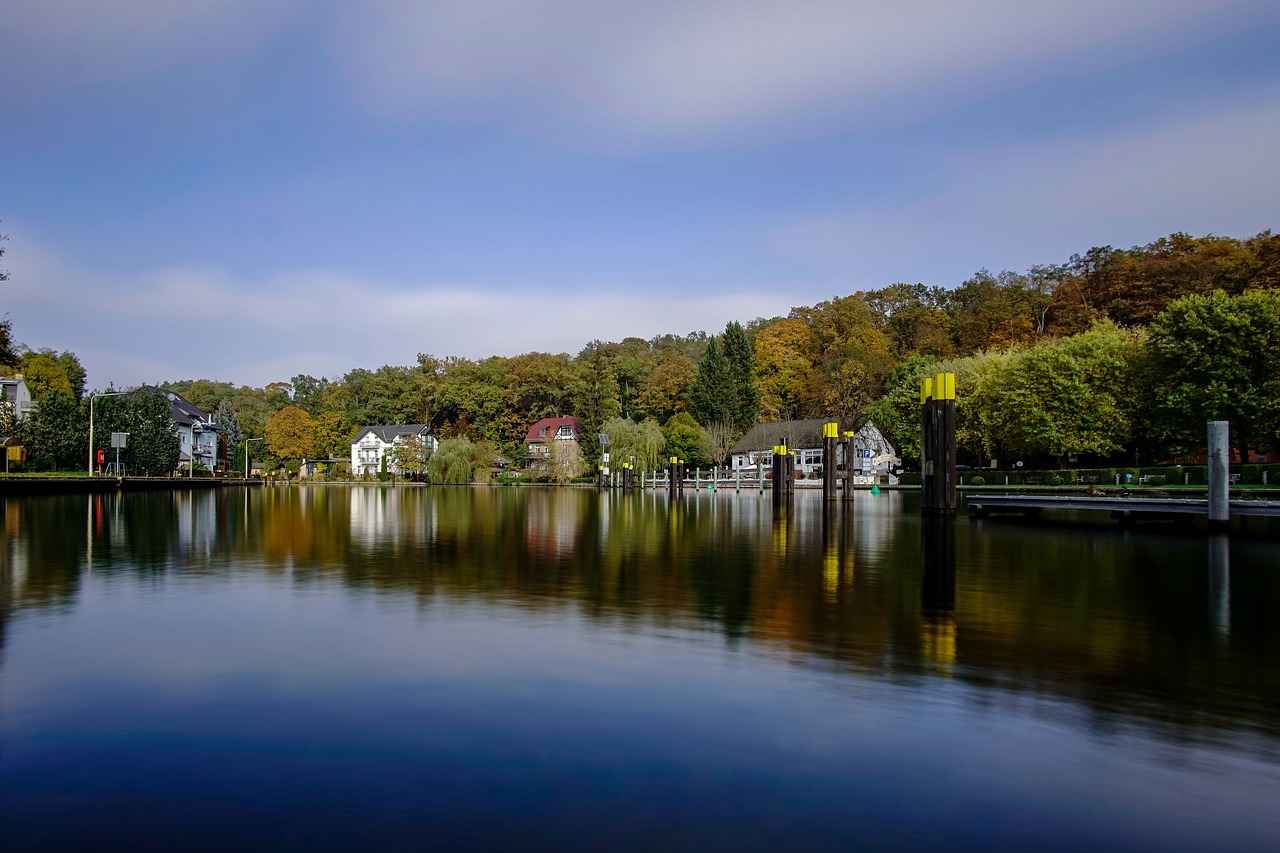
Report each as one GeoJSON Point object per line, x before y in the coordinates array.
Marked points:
{"type": "Point", "coordinates": [1209, 168]}
{"type": "Point", "coordinates": [661, 71]}
{"type": "Point", "coordinates": [196, 323]}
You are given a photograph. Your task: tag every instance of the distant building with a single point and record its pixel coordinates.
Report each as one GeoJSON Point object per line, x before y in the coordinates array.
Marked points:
{"type": "Point", "coordinates": [872, 450]}
{"type": "Point", "coordinates": [197, 431]}
{"type": "Point", "coordinates": [372, 443]}
{"type": "Point", "coordinates": [539, 439]}
{"type": "Point", "coordinates": [16, 393]}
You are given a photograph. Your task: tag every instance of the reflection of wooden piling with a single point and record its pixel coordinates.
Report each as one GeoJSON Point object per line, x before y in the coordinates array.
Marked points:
{"type": "Point", "coordinates": [938, 443]}
{"type": "Point", "coordinates": [938, 590]}
{"type": "Point", "coordinates": [830, 437]}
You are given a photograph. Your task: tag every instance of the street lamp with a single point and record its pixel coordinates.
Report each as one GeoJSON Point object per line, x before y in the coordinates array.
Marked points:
{"type": "Point", "coordinates": [246, 454]}
{"type": "Point", "coordinates": [91, 399]}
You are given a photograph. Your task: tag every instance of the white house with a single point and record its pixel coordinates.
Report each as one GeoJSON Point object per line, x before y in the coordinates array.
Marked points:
{"type": "Point", "coordinates": [872, 451]}
{"type": "Point", "coordinates": [372, 443]}
{"type": "Point", "coordinates": [197, 431]}
{"type": "Point", "coordinates": [17, 395]}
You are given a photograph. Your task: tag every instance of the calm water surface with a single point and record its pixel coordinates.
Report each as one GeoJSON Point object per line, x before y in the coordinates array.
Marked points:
{"type": "Point", "coordinates": [411, 668]}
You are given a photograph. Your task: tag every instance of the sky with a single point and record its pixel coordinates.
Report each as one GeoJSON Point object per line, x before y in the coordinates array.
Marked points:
{"type": "Point", "coordinates": [246, 190]}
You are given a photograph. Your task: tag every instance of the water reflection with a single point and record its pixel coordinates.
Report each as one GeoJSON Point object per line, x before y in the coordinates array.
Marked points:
{"type": "Point", "coordinates": [1170, 630]}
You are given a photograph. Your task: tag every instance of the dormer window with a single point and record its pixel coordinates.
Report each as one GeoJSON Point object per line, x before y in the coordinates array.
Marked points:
{"type": "Point", "coordinates": [542, 432]}
{"type": "Point", "coordinates": [565, 431]}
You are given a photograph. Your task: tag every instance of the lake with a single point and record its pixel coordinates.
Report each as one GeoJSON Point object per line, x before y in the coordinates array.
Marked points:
{"type": "Point", "coordinates": [367, 667]}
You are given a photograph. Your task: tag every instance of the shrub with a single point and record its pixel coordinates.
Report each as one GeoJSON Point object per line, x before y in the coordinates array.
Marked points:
{"type": "Point", "coordinates": [977, 480]}
{"type": "Point", "coordinates": [1054, 481]}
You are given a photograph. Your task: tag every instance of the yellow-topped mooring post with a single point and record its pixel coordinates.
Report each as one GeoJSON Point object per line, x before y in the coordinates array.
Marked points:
{"type": "Point", "coordinates": [781, 466]}
{"type": "Point", "coordinates": [830, 438]}
{"type": "Point", "coordinates": [938, 443]}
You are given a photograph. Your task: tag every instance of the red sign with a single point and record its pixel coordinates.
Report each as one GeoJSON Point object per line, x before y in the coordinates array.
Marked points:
{"type": "Point", "coordinates": [102, 456]}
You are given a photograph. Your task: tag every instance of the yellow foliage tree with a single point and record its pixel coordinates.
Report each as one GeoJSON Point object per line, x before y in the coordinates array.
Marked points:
{"type": "Point", "coordinates": [290, 433]}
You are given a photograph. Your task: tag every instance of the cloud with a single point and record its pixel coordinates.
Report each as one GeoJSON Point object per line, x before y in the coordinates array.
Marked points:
{"type": "Point", "coordinates": [655, 72]}
{"type": "Point", "coordinates": [666, 69]}
{"type": "Point", "coordinates": [189, 323]}
{"type": "Point", "coordinates": [1208, 169]}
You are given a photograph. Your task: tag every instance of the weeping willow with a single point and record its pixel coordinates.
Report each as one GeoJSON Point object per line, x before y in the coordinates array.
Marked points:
{"type": "Point", "coordinates": [454, 462]}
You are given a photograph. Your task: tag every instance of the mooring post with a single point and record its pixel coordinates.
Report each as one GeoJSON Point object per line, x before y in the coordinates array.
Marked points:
{"type": "Point", "coordinates": [849, 468]}
{"type": "Point", "coordinates": [1219, 475]}
{"type": "Point", "coordinates": [779, 472]}
{"type": "Point", "coordinates": [671, 476]}
{"type": "Point", "coordinates": [830, 436]}
{"type": "Point", "coordinates": [938, 443]}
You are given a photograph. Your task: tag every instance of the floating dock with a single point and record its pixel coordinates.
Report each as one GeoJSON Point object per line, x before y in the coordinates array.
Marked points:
{"type": "Point", "coordinates": [1124, 509]}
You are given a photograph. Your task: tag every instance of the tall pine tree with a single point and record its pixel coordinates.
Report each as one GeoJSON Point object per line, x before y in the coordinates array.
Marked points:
{"type": "Point", "coordinates": [741, 361]}
{"type": "Point", "coordinates": [714, 398]}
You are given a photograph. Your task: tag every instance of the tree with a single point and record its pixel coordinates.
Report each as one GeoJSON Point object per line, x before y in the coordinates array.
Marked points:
{"type": "Point", "coordinates": [1217, 357]}
{"type": "Point", "coordinates": [290, 433]}
{"type": "Point", "coordinates": [686, 439]}
{"type": "Point", "coordinates": [408, 456]}
{"type": "Point", "coordinates": [154, 446]}
{"type": "Point", "coordinates": [713, 396]}
{"type": "Point", "coordinates": [784, 355]}
{"type": "Point", "coordinates": [225, 417]}
{"type": "Point", "coordinates": [665, 390]}
{"type": "Point", "coordinates": [454, 462]}
{"type": "Point", "coordinates": [741, 361]}
{"type": "Point", "coordinates": [638, 443]}
{"type": "Point", "coordinates": [54, 434]}
{"type": "Point", "coordinates": [596, 398]}
{"type": "Point", "coordinates": [566, 461]}
{"type": "Point", "coordinates": [45, 375]}
{"type": "Point", "coordinates": [720, 438]}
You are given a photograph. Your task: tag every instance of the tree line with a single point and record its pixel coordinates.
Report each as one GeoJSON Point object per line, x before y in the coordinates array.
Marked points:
{"type": "Point", "coordinates": [1113, 352]}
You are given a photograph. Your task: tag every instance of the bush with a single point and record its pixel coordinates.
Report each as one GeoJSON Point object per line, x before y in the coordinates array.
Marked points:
{"type": "Point", "coordinates": [1054, 481]}
{"type": "Point", "coordinates": [977, 480]}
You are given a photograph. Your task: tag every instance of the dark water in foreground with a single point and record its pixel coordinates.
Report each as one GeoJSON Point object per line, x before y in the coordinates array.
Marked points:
{"type": "Point", "coordinates": [333, 668]}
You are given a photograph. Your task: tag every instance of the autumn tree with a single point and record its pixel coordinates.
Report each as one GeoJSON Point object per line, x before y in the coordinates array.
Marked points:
{"type": "Point", "coordinates": [290, 433]}
{"type": "Point", "coordinates": [784, 357]}
{"type": "Point", "coordinates": [665, 390]}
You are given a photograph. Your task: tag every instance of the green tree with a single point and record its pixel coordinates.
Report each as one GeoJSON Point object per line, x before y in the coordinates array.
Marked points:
{"type": "Point", "coordinates": [454, 462]}
{"type": "Point", "coordinates": [714, 396]}
{"type": "Point", "coordinates": [154, 446]}
{"type": "Point", "coordinates": [597, 397]}
{"type": "Point", "coordinates": [740, 356]}
{"type": "Point", "coordinates": [290, 433]}
{"type": "Point", "coordinates": [686, 439]}
{"type": "Point", "coordinates": [1217, 357]}
{"type": "Point", "coordinates": [638, 443]}
{"type": "Point", "coordinates": [55, 433]}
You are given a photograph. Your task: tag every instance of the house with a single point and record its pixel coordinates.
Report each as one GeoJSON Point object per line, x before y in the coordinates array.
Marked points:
{"type": "Point", "coordinates": [197, 431]}
{"type": "Point", "coordinates": [15, 392]}
{"type": "Point", "coordinates": [539, 440]}
{"type": "Point", "coordinates": [874, 453]}
{"type": "Point", "coordinates": [372, 443]}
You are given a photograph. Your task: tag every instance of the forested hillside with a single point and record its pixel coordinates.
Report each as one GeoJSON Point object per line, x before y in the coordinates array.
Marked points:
{"type": "Point", "coordinates": [1112, 352]}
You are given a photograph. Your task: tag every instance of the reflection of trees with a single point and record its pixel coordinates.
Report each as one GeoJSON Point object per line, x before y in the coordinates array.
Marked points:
{"type": "Point", "coordinates": [1108, 619]}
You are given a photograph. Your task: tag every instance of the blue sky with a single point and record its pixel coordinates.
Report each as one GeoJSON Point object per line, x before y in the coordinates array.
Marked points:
{"type": "Point", "coordinates": [247, 190]}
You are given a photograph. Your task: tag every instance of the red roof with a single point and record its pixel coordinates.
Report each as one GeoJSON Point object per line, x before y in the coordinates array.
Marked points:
{"type": "Point", "coordinates": [537, 435]}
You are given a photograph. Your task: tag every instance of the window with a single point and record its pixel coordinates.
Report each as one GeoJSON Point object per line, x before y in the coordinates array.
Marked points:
{"type": "Point", "coordinates": [565, 431]}
{"type": "Point", "coordinates": [542, 432]}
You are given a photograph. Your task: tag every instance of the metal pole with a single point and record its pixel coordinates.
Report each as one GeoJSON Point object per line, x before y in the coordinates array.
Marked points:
{"type": "Point", "coordinates": [1219, 475]}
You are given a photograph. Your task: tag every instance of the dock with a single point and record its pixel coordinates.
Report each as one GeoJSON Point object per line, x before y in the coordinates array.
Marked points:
{"type": "Point", "coordinates": [1124, 509]}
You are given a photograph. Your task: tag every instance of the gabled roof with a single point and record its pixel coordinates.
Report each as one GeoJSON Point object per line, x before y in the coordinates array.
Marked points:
{"type": "Point", "coordinates": [552, 425]}
{"type": "Point", "coordinates": [388, 433]}
{"type": "Point", "coordinates": [185, 413]}
{"type": "Point", "coordinates": [796, 434]}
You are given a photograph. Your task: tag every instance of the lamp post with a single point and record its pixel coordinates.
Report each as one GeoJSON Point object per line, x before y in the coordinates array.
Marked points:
{"type": "Point", "coordinates": [91, 399]}
{"type": "Point", "coordinates": [246, 454]}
